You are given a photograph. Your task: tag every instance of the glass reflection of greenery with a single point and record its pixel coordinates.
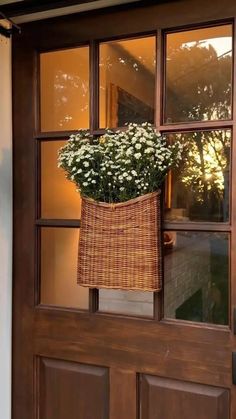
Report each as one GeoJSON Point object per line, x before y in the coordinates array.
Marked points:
{"type": "Point", "coordinates": [198, 85]}
{"type": "Point", "coordinates": [201, 184]}
{"type": "Point", "coordinates": [196, 275]}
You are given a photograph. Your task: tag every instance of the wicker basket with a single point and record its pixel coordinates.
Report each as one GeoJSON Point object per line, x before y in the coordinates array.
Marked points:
{"type": "Point", "coordinates": [120, 244]}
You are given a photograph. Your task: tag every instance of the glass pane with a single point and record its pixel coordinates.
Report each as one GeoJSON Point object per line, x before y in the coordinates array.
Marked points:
{"type": "Point", "coordinates": [64, 92]}
{"type": "Point", "coordinates": [199, 74]}
{"type": "Point", "coordinates": [198, 190]}
{"type": "Point", "coordinates": [59, 251]}
{"type": "Point", "coordinates": [59, 198]}
{"type": "Point", "coordinates": [196, 276]}
{"type": "Point", "coordinates": [134, 303]}
{"type": "Point", "coordinates": [127, 81]}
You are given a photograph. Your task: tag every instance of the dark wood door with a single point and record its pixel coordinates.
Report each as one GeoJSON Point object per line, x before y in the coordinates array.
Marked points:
{"type": "Point", "coordinates": [101, 355]}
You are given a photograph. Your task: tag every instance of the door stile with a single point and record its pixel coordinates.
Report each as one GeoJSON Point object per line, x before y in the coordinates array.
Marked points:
{"type": "Point", "coordinates": [123, 389]}
{"type": "Point", "coordinates": [158, 297]}
{"type": "Point", "coordinates": [24, 108]}
{"type": "Point", "coordinates": [233, 222]}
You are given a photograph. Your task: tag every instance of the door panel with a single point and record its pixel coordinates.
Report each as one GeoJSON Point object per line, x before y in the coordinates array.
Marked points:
{"type": "Point", "coordinates": [72, 390]}
{"type": "Point", "coordinates": [72, 360]}
{"type": "Point", "coordinates": [165, 398]}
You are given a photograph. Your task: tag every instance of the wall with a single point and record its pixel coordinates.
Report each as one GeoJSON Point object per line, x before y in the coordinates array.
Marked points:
{"type": "Point", "coordinates": [5, 227]}
{"type": "Point", "coordinates": [187, 270]}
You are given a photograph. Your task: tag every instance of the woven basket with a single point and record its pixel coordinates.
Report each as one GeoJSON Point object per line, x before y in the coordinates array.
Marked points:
{"type": "Point", "coordinates": [120, 244]}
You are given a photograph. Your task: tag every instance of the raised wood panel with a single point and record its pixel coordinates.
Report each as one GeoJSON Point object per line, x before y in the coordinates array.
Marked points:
{"type": "Point", "coordinates": [68, 390]}
{"type": "Point", "coordinates": [162, 398]}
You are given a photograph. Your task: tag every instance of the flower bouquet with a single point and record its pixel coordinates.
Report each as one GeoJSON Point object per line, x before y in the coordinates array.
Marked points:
{"type": "Point", "coordinates": [119, 176]}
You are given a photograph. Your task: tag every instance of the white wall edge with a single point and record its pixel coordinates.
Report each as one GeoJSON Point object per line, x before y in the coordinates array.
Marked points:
{"type": "Point", "coordinates": [5, 227]}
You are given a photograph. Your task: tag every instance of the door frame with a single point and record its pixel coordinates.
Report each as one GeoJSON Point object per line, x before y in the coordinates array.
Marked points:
{"type": "Point", "coordinates": [27, 316]}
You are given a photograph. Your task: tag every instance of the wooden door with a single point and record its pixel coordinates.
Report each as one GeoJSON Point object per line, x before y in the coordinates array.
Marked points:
{"type": "Point", "coordinates": [112, 354]}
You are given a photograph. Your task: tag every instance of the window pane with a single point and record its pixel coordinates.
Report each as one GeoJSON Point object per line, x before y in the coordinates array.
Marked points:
{"type": "Point", "coordinates": [65, 89]}
{"type": "Point", "coordinates": [196, 276]}
{"type": "Point", "coordinates": [198, 190]}
{"type": "Point", "coordinates": [59, 251]}
{"type": "Point", "coordinates": [127, 81]}
{"type": "Point", "coordinates": [134, 303]}
{"type": "Point", "coordinates": [198, 74]}
{"type": "Point", "coordinates": [59, 198]}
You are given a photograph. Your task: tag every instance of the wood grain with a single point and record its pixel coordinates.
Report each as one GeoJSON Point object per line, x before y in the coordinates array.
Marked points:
{"type": "Point", "coordinates": [73, 391]}
{"type": "Point", "coordinates": [188, 352]}
{"type": "Point", "coordinates": [168, 399]}
{"type": "Point", "coordinates": [122, 394]}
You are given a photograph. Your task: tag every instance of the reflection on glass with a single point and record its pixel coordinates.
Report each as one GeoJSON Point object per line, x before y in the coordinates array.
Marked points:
{"type": "Point", "coordinates": [59, 251]}
{"type": "Point", "coordinates": [198, 190]}
{"type": "Point", "coordinates": [127, 81]}
{"type": "Point", "coordinates": [59, 198]}
{"type": "Point", "coordinates": [198, 74]}
{"type": "Point", "coordinates": [134, 303]}
{"type": "Point", "coordinates": [196, 276]}
{"type": "Point", "coordinates": [64, 82]}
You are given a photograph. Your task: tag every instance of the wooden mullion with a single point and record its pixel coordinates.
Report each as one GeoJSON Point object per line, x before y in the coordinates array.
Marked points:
{"type": "Point", "coordinates": [158, 304]}
{"type": "Point", "coordinates": [58, 223]}
{"type": "Point", "coordinates": [93, 300]}
{"type": "Point", "coordinates": [55, 135]}
{"type": "Point", "coordinates": [37, 288]}
{"type": "Point", "coordinates": [182, 127]}
{"type": "Point", "coordinates": [197, 226]}
{"type": "Point", "coordinates": [158, 297]}
{"type": "Point", "coordinates": [197, 126]}
{"type": "Point", "coordinates": [186, 127]}
{"type": "Point", "coordinates": [38, 180]}
{"type": "Point", "coordinates": [94, 86]}
{"type": "Point", "coordinates": [159, 78]}
{"type": "Point", "coordinates": [94, 125]}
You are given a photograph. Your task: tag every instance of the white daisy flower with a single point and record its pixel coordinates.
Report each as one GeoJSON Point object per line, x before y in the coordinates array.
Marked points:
{"type": "Point", "coordinates": [149, 150]}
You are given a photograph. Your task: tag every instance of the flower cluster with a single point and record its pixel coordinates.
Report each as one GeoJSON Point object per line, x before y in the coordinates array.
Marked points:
{"type": "Point", "coordinates": [119, 165]}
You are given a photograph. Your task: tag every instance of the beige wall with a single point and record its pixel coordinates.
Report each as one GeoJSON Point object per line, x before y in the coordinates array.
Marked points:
{"type": "Point", "coordinates": [65, 83]}
{"type": "Point", "coordinates": [58, 195]}
{"type": "Point", "coordinates": [65, 89]}
{"type": "Point", "coordinates": [59, 269]}
{"type": "Point", "coordinates": [185, 273]}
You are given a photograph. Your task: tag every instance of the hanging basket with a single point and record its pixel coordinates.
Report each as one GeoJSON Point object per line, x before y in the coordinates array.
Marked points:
{"type": "Point", "coordinates": [120, 244]}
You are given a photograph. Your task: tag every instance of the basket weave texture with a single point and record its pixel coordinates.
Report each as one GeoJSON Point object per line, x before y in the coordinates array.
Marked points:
{"type": "Point", "coordinates": [120, 244]}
